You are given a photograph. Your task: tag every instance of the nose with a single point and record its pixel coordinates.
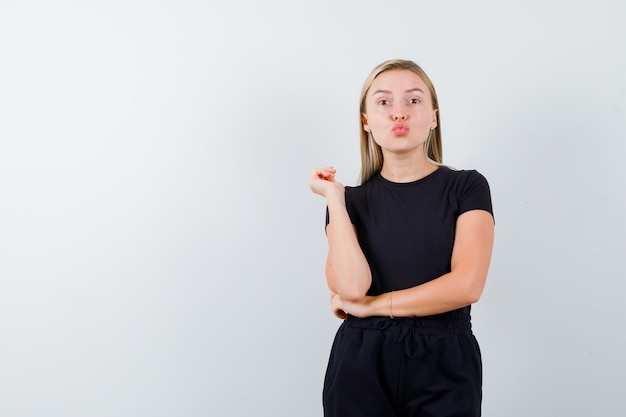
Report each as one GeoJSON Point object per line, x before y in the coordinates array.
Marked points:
{"type": "Point", "coordinates": [399, 113]}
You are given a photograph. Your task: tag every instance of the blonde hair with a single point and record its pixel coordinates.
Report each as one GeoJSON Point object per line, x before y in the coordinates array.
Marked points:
{"type": "Point", "coordinates": [371, 153]}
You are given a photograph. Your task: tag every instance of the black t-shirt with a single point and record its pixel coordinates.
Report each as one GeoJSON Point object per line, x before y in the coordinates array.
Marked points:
{"type": "Point", "coordinates": [406, 230]}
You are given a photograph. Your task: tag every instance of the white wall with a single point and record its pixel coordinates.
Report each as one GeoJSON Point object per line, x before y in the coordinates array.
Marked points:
{"type": "Point", "coordinates": [161, 254]}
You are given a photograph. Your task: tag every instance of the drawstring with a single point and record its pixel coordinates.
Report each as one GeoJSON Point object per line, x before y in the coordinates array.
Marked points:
{"type": "Point", "coordinates": [413, 344]}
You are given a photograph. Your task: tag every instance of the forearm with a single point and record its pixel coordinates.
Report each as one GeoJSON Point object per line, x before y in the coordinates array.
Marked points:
{"type": "Point", "coordinates": [446, 293]}
{"type": "Point", "coordinates": [460, 287]}
{"type": "Point", "coordinates": [347, 271]}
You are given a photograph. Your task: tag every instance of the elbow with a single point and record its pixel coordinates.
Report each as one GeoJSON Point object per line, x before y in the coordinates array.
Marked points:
{"type": "Point", "coordinates": [473, 289]}
{"type": "Point", "coordinates": [350, 285]}
{"type": "Point", "coordinates": [473, 297]}
{"type": "Point", "coordinates": [352, 296]}
{"type": "Point", "coordinates": [349, 290]}
{"type": "Point", "coordinates": [351, 293]}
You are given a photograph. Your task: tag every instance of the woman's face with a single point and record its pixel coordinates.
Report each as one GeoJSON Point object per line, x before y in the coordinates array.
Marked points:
{"type": "Point", "coordinates": [399, 111]}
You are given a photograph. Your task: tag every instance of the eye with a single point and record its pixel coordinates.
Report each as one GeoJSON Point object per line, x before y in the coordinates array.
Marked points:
{"type": "Point", "coordinates": [414, 101]}
{"type": "Point", "coordinates": [383, 102]}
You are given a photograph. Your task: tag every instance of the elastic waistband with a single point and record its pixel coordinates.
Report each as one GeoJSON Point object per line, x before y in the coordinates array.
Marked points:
{"type": "Point", "coordinates": [427, 325]}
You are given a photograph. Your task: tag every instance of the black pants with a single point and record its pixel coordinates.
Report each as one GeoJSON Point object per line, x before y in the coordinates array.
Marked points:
{"type": "Point", "coordinates": [403, 367]}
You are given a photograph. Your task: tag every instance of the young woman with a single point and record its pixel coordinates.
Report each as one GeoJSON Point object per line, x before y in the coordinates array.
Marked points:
{"type": "Point", "coordinates": [409, 251]}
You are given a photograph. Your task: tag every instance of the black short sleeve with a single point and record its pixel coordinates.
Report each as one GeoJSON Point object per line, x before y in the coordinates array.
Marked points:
{"type": "Point", "coordinates": [475, 194]}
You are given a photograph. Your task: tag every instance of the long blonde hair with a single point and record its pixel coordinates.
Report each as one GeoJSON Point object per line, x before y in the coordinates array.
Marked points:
{"type": "Point", "coordinates": [371, 153]}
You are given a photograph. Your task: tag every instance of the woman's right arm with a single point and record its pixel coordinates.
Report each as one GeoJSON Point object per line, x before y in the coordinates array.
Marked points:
{"type": "Point", "coordinates": [347, 271]}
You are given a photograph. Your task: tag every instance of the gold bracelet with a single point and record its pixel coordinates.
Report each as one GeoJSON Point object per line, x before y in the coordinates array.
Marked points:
{"type": "Point", "coordinates": [391, 305]}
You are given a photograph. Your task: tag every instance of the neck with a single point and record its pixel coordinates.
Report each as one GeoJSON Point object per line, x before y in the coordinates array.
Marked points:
{"type": "Point", "coordinates": [399, 169]}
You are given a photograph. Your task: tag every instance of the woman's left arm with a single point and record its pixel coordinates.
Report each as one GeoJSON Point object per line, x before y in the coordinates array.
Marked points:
{"type": "Point", "coordinates": [462, 286]}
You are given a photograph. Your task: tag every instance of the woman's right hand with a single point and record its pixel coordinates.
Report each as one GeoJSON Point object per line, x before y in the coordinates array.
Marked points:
{"type": "Point", "coordinates": [322, 182]}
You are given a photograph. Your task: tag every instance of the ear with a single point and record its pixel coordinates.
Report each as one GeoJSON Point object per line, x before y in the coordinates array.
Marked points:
{"type": "Point", "coordinates": [364, 122]}
{"type": "Point", "coordinates": [434, 121]}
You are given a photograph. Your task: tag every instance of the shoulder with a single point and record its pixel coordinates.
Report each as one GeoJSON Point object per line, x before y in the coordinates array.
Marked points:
{"type": "Point", "coordinates": [359, 190]}
{"type": "Point", "coordinates": [470, 188]}
{"type": "Point", "coordinates": [359, 197]}
{"type": "Point", "coordinates": [462, 175]}
{"type": "Point", "coordinates": [463, 179]}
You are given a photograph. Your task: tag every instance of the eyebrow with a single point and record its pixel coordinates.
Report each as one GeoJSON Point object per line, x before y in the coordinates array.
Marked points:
{"type": "Point", "coordinates": [410, 90]}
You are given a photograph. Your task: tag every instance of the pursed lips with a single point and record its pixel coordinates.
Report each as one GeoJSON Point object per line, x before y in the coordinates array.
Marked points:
{"type": "Point", "coordinates": [400, 129]}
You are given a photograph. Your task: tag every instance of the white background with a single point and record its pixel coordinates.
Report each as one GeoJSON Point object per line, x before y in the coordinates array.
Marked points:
{"type": "Point", "coordinates": [162, 255]}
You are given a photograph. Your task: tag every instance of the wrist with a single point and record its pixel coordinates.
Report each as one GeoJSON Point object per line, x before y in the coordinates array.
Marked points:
{"type": "Point", "coordinates": [383, 305]}
{"type": "Point", "coordinates": [336, 196]}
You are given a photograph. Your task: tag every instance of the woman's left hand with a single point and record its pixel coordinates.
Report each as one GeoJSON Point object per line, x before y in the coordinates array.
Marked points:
{"type": "Point", "coordinates": [341, 308]}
